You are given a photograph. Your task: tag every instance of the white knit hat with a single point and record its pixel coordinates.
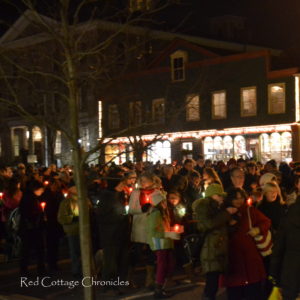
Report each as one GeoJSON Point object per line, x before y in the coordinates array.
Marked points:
{"type": "Point", "coordinates": [268, 177]}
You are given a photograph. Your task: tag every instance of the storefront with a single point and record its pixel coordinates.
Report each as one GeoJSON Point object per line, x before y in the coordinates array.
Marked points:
{"type": "Point", "coordinates": [261, 143]}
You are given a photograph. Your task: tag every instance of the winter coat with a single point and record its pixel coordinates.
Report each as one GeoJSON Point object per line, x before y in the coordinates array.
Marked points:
{"type": "Point", "coordinates": [31, 212]}
{"type": "Point", "coordinates": [112, 220]}
{"type": "Point", "coordinates": [68, 218]}
{"type": "Point", "coordinates": [156, 228]}
{"type": "Point", "coordinates": [212, 221]}
{"type": "Point", "coordinates": [139, 221]}
{"type": "Point", "coordinates": [275, 211]}
{"type": "Point", "coordinates": [245, 262]}
{"type": "Point", "coordinates": [285, 261]}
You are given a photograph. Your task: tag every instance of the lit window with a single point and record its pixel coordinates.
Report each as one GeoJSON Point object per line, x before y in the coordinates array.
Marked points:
{"type": "Point", "coordinates": [100, 130]}
{"type": "Point", "coordinates": [178, 61]}
{"type": "Point", "coordinates": [248, 102]}
{"type": "Point", "coordinates": [135, 113]}
{"type": "Point", "coordinates": [158, 110]}
{"type": "Point", "coordinates": [219, 105]}
{"type": "Point", "coordinates": [113, 117]}
{"type": "Point", "coordinates": [58, 143]}
{"type": "Point", "coordinates": [208, 148]}
{"type": "Point", "coordinates": [239, 146]}
{"type": "Point", "coordinates": [160, 151]}
{"type": "Point", "coordinates": [16, 144]}
{"type": "Point", "coordinates": [140, 5]}
{"type": "Point", "coordinates": [192, 108]}
{"type": "Point", "coordinates": [276, 98]}
{"type": "Point", "coordinates": [36, 134]}
{"type": "Point", "coordinates": [187, 146]}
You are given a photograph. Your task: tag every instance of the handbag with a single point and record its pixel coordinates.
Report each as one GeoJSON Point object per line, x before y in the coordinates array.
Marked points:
{"type": "Point", "coordinates": [263, 243]}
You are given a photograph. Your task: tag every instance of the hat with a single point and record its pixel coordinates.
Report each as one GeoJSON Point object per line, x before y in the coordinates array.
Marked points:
{"type": "Point", "coordinates": [214, 189]}
{"type": "Point", "coordinates": [267, 177]}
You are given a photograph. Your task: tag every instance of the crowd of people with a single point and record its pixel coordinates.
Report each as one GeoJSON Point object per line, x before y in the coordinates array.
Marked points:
{"type": "Point", "coordinates": [243, 217]}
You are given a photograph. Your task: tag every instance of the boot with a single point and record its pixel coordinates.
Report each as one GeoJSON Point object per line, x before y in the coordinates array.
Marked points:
{"type": "Point", "coordinates": [150, 277]}
{"type": "Point", "coordinates": [160, 293]}
{"type": "Point", "coordinates": [189, 271]}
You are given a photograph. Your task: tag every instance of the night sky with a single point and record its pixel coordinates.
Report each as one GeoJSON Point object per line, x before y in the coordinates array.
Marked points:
{"type": "Point", "coordinates": [273, 23]}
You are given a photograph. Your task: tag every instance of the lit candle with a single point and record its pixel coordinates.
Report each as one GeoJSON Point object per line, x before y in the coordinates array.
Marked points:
{"type": "Point", "coordinates": [46, 182]}
{"type": "Point", "coordinates": [43, 205]}
{"type": "Point", "coordinates": [147, 199]}
{"type": "Point", "coordinates": [65, 195]}
{"type": "Point", "coordinates": [127, 209]}
{"type": "Point", "coordinates": [130, 190]}
{"type": "Point", "coordinates": [1, 195]}
{"type": "Point", "coordinates": [176, 228]}
{"type": "Point", "coordinates": [249, 202]}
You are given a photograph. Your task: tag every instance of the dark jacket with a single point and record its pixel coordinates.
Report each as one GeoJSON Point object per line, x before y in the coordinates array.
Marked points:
{"type": "Point", "coordinates": [112, 220]}
{"type": "Point", "coordinates": [31, 212]}
{"type": "Point", "coordinates": [285, 262]}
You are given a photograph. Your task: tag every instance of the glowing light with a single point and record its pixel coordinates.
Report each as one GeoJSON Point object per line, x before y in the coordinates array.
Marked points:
{"type": "Point", "coordinates": [65, 195]}
{"type": "Point", "coordinates": [182, 211]}
{"type": "Point", "coordinates": [249, 202]}
{"type": "Point", "coordinates": [297, 98]}
{"type": "Point", "coordinates": [130, 190]}
{"type": "Point", "coordinates": [46, 182]}
{"type": "Point", "coordinates": [127, 209]}
{"type": "Point", "coordinates": [176, 228]}
{"type": "Point", "coordinates": [43, 205]}
{"type": "Point", "coordinates": [1, 195]}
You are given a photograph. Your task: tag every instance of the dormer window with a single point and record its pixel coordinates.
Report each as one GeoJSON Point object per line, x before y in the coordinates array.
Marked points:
{"type": "Point", "coordinates": [140, 5]}
{"type": "Point", "coordinates": [178, 61]}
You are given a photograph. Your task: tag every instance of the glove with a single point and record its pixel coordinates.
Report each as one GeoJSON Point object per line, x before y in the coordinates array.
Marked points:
{"type": "Point", "coordinates": [254, 231]}
{"type": "Point", "coordinates": [172, 235]}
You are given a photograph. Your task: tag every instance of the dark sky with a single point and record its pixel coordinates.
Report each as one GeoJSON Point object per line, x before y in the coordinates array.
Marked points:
{"type": "Point", "coordinates": [274, 23]}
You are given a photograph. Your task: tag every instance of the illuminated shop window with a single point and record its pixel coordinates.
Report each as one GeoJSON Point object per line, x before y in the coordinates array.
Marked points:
{"type": "Point", "coordinates": [239, 146]}
{"type": "Point", "coordinates": [111, 153]}
{"type": "Point", "coordinates": [36, 134]}
{"type": "Point", "coordinates": [228, 146]}
{"type": "Point", "coordinates": [208, 148]}
{"type": "Point", "coordinates": [286, 146]}
{"type": "Point", "coordinates": [218, 148]}
{"type": "Point", "coordinates": [276, 94]}
{"type": "Point", "coordinates": [248, 102]}
{"type": "Point", "coordinates": [187, 146]}
{"type": "Point", "coordinates": [57, 149]}
{"type": "Point", "coordinates": [219, 105]}
{"type": "Point", "coordinates": [193, 108]}
{"type": "Point", "coordinates": [160, 151]}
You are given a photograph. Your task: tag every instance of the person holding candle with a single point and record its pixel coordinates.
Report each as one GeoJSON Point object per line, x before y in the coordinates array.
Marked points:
{"type": "Point", "coordinates": [32, 225]}
{"type": "Point", "coordinates": [140, 200]}
{"type": "Point", "coordinates": [68, 217]}
{"type": "Point", "coordinates": [212, 219]}
{"type": "Point", "coordinates": [246, 273]}
{"type": "Point", "coordinates": [160, 237]}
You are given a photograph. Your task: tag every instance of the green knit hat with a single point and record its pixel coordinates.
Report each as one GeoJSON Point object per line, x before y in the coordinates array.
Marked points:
{"type": "Point", "coordinates": [214, 189]}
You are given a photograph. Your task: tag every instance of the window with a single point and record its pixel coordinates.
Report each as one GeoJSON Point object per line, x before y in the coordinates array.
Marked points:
{"type": "Point", "coordinates": [187, 146]}
{"type": "Point", "coordinates": [178, 61]}
{"type": "Point", "coordinates": [158, 110]}
{"type": "Point", "coordinates": [57, 149]}
{"type": "Point", "coordinates": [140, 5]}
{"type": "Point", "coordinates": [100, 130]}
{"type": "Point", "coordinates": [192, 108]}
{"type": "Point", "coordinates": [248, 101]}
{"type": "Point", "coordinates": [219, 105]}
{"type": "Point", "coordinates": [160, 151]}
{"type": "Point", "coordinates": [113, 116]}
{"type": "Point", "coordinates": [16, 144]}
{"type": "Point", "coordinates": [36, 134]}
{"type": "Point", "coordinates": [135, 113]}
{"type": "Point", "coordinates": [276, 98]}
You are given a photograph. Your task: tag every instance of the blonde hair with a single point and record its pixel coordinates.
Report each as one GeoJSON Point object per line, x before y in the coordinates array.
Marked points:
{"type": "Point", "coordinates": [151, 177]}
{"type": "Point", "coordinates": [273, 185]}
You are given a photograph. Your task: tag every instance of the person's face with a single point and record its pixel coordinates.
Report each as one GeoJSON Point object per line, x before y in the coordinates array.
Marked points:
{"type": "Point", "coordinates": [173, 199]}
{"type": "Point", "coordinates": [238, 201]}
{"type": "Point", "coordinates": [145, 183]}
{"type": "Point", "coordinates": [238, 178]}
{"type": "Point", "coordinates": [271, 195]}
{"type": "Point", "coordinates": [251, 170]}
{"type": "Point", "coordinates": [189, 166]}
{"type": "Point", "coordinates": [196, 181]}
{"type": "Point", "coordinates": [218, 198]}
{"type": "Point", "coordinates": [205, 176]}
{"type": "Point", "coordinates": [39, 192]}
{"type": "Point", "coordinates": [131, 180]}
{"type": "Point", "coordinates": [8, 173]}
{"type": "Point", "coordinates": [200, 162]}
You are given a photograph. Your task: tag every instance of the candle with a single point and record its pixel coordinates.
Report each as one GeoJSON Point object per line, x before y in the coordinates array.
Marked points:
{"type": "Point", "coordinates": [46, 182]}
{"type": "Point", "coordinates": [43, 205]}
{"type": "Point", "coordinates": [249, 201]}
{"type": "Point", "coordinates": [147, 199]}
{"type": "Point", "coordinates": [127, 209]}
{"type": "Point", "coordinates": [1, 195]}
{"type": "Point", "coordinates": [130, 190]}
{"type": "Point", "coordinates": [182, 211]}
{"type": "Point", "coordinates": [176, 228]}
{"type": "Point", "coordinates": [65, 195]}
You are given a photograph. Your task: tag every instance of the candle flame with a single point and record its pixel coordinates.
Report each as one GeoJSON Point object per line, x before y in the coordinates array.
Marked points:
{"type": "Point", "coordinates": [43, 205]}
{"type": "Point", "coordinates": [249, 201]}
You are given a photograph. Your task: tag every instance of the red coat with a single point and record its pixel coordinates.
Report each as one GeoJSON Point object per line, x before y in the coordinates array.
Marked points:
{"type": "Point", "coordinates": [245, 262]}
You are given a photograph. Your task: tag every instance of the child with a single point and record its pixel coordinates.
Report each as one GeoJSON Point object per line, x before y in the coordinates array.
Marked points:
{"type": "Point", "coordinates": [160, 237]}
